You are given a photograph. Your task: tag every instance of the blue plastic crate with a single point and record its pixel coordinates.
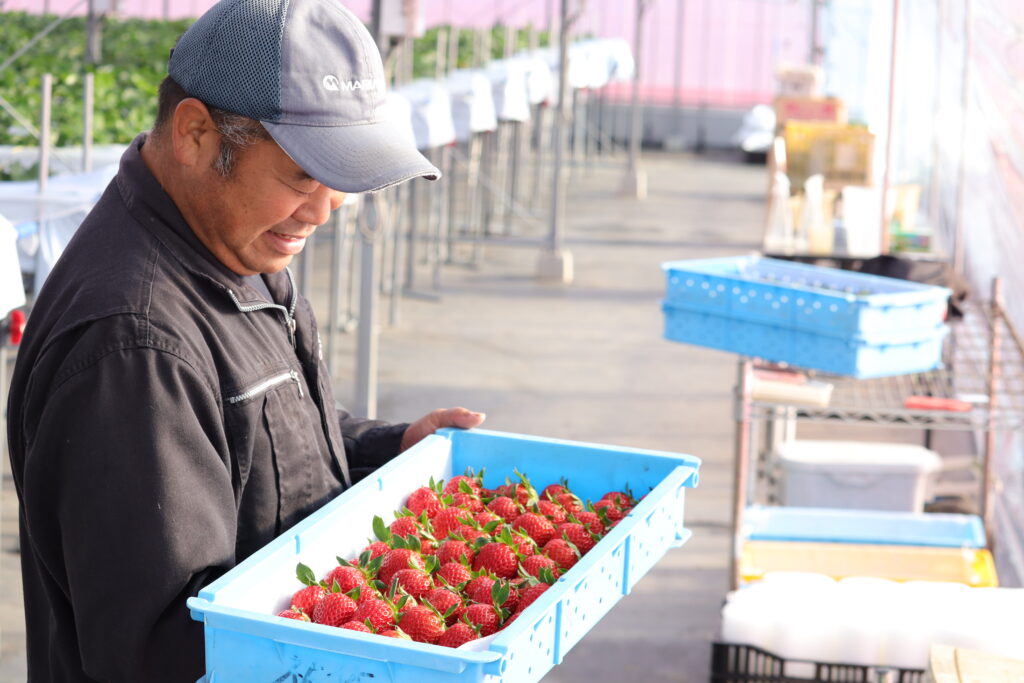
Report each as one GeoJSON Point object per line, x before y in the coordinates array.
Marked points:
{"type": "Point", "coordinates": [245, 642]}
{"type": "Point", "coordinates": [897, 354]}
{"type": "Point", "coordinates": [829, 525]}
{"type": "Point", "coordinates": [824, 301]}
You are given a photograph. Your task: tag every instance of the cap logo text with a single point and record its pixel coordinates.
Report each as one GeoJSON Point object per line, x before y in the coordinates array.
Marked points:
{"type": "Point", "coordinates": [332, 83]}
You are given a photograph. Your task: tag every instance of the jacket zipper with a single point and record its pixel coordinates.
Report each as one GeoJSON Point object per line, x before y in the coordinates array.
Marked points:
{"type": "Point", "coordinates": [268, 384]}
{"type": "Point", "coordinates": [289, 313]}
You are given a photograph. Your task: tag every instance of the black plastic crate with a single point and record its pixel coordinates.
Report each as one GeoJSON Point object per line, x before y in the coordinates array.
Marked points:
{"type": "Point", "coordinates": [748, 664]}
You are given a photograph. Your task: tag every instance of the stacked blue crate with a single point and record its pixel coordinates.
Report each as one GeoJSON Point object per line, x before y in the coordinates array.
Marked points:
{"type": "Point", "coordinates": [807, 316]}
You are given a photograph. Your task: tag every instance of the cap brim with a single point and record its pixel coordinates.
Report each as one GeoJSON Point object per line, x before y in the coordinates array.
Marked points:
{"type": "Point", "coordinates": [358, 158]}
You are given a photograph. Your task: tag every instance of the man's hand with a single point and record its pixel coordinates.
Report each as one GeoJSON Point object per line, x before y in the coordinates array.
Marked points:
{"type": "Point", "coordinates": [437, 419]}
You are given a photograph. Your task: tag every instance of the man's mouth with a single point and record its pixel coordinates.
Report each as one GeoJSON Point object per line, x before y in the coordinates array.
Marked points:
{"type": "Point", "coordinates": [285, 243]}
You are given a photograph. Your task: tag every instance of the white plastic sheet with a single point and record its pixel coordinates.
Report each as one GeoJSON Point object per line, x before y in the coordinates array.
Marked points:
{"type": "Point", "coordinates": [12, 291]}
{"type": "Point", "coordinates": [472, 103]}
{"type": "Point", "coordinates": [508, 84]}
{"type": "Point", "coordinates": [430, 112]}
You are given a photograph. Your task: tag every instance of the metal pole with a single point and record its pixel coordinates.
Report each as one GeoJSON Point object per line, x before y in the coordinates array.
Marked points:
{"type": "Point", "coordinates": [441, 197]}
{"type": "Point", "coordinates": [371, 220]}
{"type": "Point", "coordinates": [988, 498]}
{"type": "Point", "coordinates": [739, 491]}
{"type": "Point", "coordinates": [441, 53]}
{"type": "Point", "coordinates": [677, 70]}
{"type": "Point", "coordinates": [959, 247]}
{"type": "Point", "coordinates": [93, 35]}
{"type": "Point", "coordinates": [334, 296]}
{"type": "Point", "coordinates": [44, 131]}
{"type": "Point", "coordinates": [396, 234]}
{"type": "Point", "coordinates": [87, 117]}
{"type": "Point", "coordinates": [561, 114]}
{"type": "Point", "coordinates": [410, 253]}
{"type": "Point", "coordinates": [635, 182]}
{"type": "Point", "coordinates": [934, 205]}
{"type": "Point", "coordinates": [167, 10]}
{"type": "Point", "coordinates": [306, 268]}
{"type": "Point", "coordinates": [817, 52]}
{"type": "Point", "coordinates": [453, 48]}
{"type": "Point", "coordinates": [887, 174]}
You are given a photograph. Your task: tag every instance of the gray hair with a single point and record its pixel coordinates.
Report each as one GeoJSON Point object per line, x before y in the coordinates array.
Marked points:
{"type": "Point", "coordinates": [237, 133]}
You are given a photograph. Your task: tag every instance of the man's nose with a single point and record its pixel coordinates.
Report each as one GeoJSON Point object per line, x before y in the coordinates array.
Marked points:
{"type": "Point", "coordinates": [317, 209]}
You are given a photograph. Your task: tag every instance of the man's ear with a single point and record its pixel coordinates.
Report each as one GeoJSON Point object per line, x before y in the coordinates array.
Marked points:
{"type": "Point", "coordinates": [194, 137]}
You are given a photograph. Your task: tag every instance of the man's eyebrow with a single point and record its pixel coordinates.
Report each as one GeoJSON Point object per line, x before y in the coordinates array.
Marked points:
{"type": "Point", "coordinates": [302, 175]}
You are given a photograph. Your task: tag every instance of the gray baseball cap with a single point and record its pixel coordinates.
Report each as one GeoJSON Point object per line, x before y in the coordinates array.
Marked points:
{"type": "Point", "coordinates": [310, 72]}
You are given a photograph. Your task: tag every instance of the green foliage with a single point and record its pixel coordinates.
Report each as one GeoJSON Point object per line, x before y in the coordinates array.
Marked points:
{"type": "Point", "coordinates": [133, 62]}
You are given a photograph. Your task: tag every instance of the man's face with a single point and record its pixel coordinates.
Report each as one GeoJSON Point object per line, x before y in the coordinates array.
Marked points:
{"type": "Point", "coordinates": [259, 218]}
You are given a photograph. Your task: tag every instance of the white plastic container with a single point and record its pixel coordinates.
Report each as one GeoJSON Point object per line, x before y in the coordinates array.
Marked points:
{"type": "Point", "coordinates": [855, 474]}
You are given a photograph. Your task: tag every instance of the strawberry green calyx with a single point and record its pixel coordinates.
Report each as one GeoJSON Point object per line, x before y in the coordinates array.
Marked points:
{"type": "Point", "coordinates": [305, 575]}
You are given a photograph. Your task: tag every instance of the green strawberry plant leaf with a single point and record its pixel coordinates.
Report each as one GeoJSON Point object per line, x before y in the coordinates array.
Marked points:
{"type": "Point", "coordinates": [380, 529]}
{"type": "Point", "coordinates": [305, 575]}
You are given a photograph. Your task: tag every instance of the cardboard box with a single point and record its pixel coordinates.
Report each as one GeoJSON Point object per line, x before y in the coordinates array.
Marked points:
{"type": "Point", "coordinates": [825, 109]}
{"type": "Point", "coordinates": [843, 153]}
{"type": "Point", "coordinates": [803, 80]}
{"type": "Point", "coordinates": [958, 665]}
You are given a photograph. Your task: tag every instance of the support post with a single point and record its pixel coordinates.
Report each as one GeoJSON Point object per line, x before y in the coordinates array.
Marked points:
{"type": "Point", "coordinates": [634, 184]}
{"type": "Point", "coordinates": [371, 221]}
{"type": "Point", "coordinates": [887, 174]}
{"type": "Point", "coordinates": [554, 264]}
{"type": "Point", "coordinates": [741, 466]}
{"type": "Point", "coordinates": [45, 108]}
{"type": "Point", "coordinates": [988, 480]}
{"type": "Point", "coordinates": [88, 89]}
{"type": "Point", "coordinates": [959, 246]}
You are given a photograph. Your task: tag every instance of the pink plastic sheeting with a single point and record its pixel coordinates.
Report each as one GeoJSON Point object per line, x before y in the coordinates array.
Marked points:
{"type": "Point", "coordinates": [730, 48]}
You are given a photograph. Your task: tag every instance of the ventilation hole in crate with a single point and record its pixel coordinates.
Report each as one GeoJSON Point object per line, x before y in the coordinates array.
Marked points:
{"type": "Point", "coordinates": [743, 299]}
{"type": "Point", "coordinates": [799, 302]}
{"type": "Point", "coordinates": [720, 288]}
{"type": "Point", "coordinates": [768, 296]}
{"type": "Point", "coordinates": [752, 293]}
{"type": "Point", "coordinates": [705, 285]}
{"type": "Point", "coordinates": [735, 290]}
{"type": "Point", "coordinates": [712, 295]}
{"type": "Point", "coordinates": [775, 305]}
{"type": "Point", "coordinates": [689, 283]}
{"type": "Point", "coordinates": [817, 304]}
{"type": "Point", "coordinates": [548, 653]}
{"type": "Point", "coordinates": [784, 298]}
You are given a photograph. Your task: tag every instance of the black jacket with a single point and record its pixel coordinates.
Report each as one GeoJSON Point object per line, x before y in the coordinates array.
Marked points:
{"type": "Point", "coordinates": [163, 424]}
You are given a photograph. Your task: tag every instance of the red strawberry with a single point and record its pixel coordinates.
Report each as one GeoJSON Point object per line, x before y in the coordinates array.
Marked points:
{"type": "Point", "coordinates": [498, 559]}
{"type": "Point", "coordinates": [524, 544]}
{"type": "Point", "coordinates": [619, 498]}
{"type": "Point", "coordinates": [505, 507]}
{"type": "Point", "coordinates": [392, 633]}
{"type": "Point", "coordinates": [592, 521]}
{"type": "Point", "coordinates": [356, 626]}
{"type": "Point", "coordinates": [561, 552]}
{"type": "Point", "coordinates": [470, 534]}
{"type": "Point", "coordinates": [305, 599]}
{"type": "Point", "coordinates": [405, 526]}
{"type": "Point", "coordinates": [457, 634]}
{"type": "Point", "coordinates": [454, 573]}
{"type": "Point", "coordinates": [552, 491]}
{"type": "Point", "coordinates": [398, 558]}
{"type": "Point", "coordinates": [486, 517]}
{"type": "Point", "coordinates": [552, 511]}
{"type": "Point", "coordinates": [578, 535]}
{"type": "Point", "coordinates": [610, 509]}
{"type": "Point", "coordinates": [346, 577]}
{"type": "Point", "coordinates": [453, 549]}
{"type": "Point", "coordinates": [292, 613]}
{"type": "Point", "coordinates": [449, 520]}
{"type": "Point", "coordinates": [454, 484]}
{"type": "Point", "coordinates": [415, 582]}
{"type": "Point", "coordinates": [334, 610]}
{"type": "Point", "coordinates": [423, 624]}
{"type": "Point", "coordinates": [423, 499]}
{"type": "Point", "coordinates": [534, 563]}
{"type": "Point", "coordinates": [379, 612]}
{"type": "Point", "coordinates": [443, 599]}
{"type": "Point", "coordinates": [484, 616]}
{"type": "Point", "coordinates": [467, 501]}
{"type": "Point", "coordinates": [569, 503]}
{"type": "Point", "coordinates": [481, 589]}
{"type": "Point", "coordinates": [528, 595]}
{"type": "Point", "coordinates": [377, 548]}
{"type": "Point", "coordinates": [538, 528]}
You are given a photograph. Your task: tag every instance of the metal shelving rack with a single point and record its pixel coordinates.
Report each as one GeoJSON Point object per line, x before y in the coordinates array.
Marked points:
{"type": "Point", "coordinates": [984, 361]}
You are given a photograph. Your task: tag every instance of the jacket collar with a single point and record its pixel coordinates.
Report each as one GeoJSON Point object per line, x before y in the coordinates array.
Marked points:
{"type": "Point", "coordinates": [154, 209]}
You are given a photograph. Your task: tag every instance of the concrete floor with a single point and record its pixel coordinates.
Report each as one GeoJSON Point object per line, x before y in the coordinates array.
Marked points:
{"type": "Point", "coordinates": [584, 362]}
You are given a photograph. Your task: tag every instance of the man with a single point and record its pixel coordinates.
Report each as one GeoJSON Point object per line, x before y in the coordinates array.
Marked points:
{"type": "Point", "coordinates": [170, 412]}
